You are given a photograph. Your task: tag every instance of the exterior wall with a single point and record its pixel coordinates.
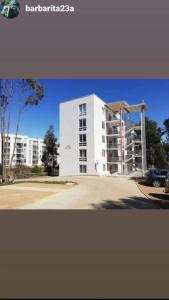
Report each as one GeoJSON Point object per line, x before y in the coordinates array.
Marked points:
{"type": "Point", "coordinates": [24, 151]}
{"type": "Point", "coordinates": [98, 133]}
{"type": "Point", "coordinates": [69, 136]}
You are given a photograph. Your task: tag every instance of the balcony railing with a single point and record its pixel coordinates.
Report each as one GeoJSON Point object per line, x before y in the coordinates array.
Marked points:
{"type": "Point", "coordinates": [82, 158]}
{"type": "Point", "coordinates": [83, 128]}
{"type": "Point", "coordinates": [82, 113]}
{"type": "Point", "coordinates": [113, 159]}
{"type": "Point", "coordinates": [112, 132]}
{"type": "Point", "coordinates": [82, 144]}
{"type": "Point", "coordinates": [113, 145]}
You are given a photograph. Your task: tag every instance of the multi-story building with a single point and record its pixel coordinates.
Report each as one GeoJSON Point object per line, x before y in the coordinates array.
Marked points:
{"type": "Point", "coordinates": [28, 151]}
{"type": "Point", "coordinates": [99, 138]}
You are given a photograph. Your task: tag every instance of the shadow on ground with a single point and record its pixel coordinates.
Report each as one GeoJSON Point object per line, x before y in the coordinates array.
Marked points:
{"type": "Point", "coordinates": [129, 203]}
{"type": "Point", "coordinates": [164, 197]}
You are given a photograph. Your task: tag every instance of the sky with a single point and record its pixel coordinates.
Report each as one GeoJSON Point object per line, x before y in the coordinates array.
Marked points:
{"type": "Point", "coordinates": [36, 120]}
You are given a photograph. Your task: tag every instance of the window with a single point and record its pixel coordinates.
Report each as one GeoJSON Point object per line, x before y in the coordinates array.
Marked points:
{"type": "Point", "coordinates": [103, 125]}
{"type": "Point", "coordinates": [103, 153]}
{"type": "Point", "coordinates": [82, 124]}
{"type": "Point", "coordinates": [103, 139]}
{"type": "Point", "coordinates": [83, 155]}
{"type": "Point", "coordinates": [82, 109]}
{"type": "Point", "coordinates": [82, 140]}
{"type": "Point", "coordinates": [83, 169]}
{"type": "Point", "coordinates": [104, 168]}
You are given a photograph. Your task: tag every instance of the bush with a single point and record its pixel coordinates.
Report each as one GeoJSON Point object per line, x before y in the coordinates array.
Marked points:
{"type": "Point", "coordinates": [36, 170]}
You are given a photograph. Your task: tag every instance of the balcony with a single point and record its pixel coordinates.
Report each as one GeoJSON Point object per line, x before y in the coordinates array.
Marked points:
{"type": "Point", "coordinates": [113, 145]}
{"type": "Point", "coordinates": [112, 132]}
{"type": "Point", "coordinates": [113, 159]}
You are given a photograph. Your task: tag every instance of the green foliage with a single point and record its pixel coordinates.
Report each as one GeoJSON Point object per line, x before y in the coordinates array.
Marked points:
{"type": "Point", "coordinates": [0, 169]}
{"type": "Point", "coordinates": [156, 155]}
{"type": "Point", "coordinates": [36, 170]}
{"type": "Point", "coordinates": [49, 157]}
{"type": "Point", "coordinates": [165, 130]}
{"type": "Point", "coordinates": [37, 90]}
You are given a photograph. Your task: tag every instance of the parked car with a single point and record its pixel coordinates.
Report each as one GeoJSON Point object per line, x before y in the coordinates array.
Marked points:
{"type": "Point", "coordinates": [156, 177]}
{"type": "Point", "coordinates": [166, 190]}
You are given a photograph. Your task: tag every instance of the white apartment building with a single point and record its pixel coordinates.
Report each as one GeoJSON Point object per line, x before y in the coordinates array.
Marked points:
{"type": "Point", "coordinates": [98, 139]}
{"type": "Point", "coordinates": [28, 151]}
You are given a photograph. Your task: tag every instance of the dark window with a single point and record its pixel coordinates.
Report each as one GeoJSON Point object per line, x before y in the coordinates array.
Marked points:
{"type": "Point", "coordinates": [82, 124]}
{"type": "Point", "coordinates": [83, 169]}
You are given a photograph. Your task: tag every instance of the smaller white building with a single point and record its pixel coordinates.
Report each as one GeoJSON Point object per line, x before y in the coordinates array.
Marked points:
{"type": "Point", "coordinates": [28, 151]}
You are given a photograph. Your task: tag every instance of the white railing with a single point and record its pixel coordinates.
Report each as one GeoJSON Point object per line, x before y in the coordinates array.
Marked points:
{"type": "Point", "coordinates": [82, 158]}
{"type": "Point", "coordinates": [83, 144]}
{"type": "Point", "coordinates": [82, 128]}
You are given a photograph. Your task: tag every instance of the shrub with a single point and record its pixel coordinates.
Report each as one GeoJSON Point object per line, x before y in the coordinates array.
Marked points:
{"type": "Point", "coordinates": [36, 170]}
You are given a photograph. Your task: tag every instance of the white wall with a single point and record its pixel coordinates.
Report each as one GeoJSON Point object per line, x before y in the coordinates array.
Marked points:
{"type": "Point", "coordinates": [99, 116]}
{"type": "Point", "coordinates": [69, 136]}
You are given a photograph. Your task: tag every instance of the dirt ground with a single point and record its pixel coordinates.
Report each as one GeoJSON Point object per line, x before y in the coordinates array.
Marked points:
{"type": "Point", "coordinates": [155, 194]}
{"type": "Point", "coordinates": [17, 195]}
{"type": "Point", "coordinates": [10, 199]}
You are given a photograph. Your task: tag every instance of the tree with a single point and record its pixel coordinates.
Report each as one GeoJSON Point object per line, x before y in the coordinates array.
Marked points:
{"type": "Point", "coordinates": [29, 93]}
{"type": "Point", "coordinates": [50, 154]}
{"type": "Point", "coordinates": [165, 137]}
{"type": "Point", "coordinates": [156, 155]}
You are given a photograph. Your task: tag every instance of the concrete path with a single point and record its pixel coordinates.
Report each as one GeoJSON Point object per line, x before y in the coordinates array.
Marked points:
{"type": "Point", "coordinates": [94, 192]}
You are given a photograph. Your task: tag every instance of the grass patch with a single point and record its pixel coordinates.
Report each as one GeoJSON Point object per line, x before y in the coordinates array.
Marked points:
{"type": "Point", "coordinates": [41, 182]}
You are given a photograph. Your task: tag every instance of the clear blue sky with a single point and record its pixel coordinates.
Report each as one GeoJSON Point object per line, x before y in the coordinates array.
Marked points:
{"type": "Point", "coordinates": [36, 120]}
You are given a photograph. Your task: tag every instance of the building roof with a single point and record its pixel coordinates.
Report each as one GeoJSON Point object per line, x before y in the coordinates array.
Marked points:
{"type": "Point", "coordinates": [125, 107]}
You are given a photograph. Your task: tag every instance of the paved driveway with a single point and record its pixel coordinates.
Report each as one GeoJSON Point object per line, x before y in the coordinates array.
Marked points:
{"type": "Point", "coordinates": [94, 192]}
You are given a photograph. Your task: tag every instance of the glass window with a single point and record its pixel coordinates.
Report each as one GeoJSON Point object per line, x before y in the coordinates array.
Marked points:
{"type": "Point", "coordinates": [83, 155]}
{"type": "Point", "coordinates": [83, 169]}
{"type": "Point", "coordinates": [104, 167]}
{"type": "Point", "coordinates": [103, 153]}
{"type": "Point", "coordinates": [103, 138]}
{"type": "Point", "coordinates": [82, 124]}
{"type": "Point", "coordinates": [82, 140]}
{"type": "Point", "coordinates": [103, 124]}
{"type": "Point", "coordinates": [82, 109]}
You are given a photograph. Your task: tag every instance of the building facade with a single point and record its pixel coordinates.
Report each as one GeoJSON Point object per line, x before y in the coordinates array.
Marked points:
{"type": "Point", "coordinates": [99, 139]}
{"type": "Point", "coordinates": [28, 151]}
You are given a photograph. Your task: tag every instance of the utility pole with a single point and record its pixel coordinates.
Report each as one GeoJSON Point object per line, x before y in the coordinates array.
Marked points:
{"type": "Point", "coordinates": [143, 139]}
{"type": "Point", "coordinates": [1, 121]}
{"type": "Point", "coordinates": [3, 104]}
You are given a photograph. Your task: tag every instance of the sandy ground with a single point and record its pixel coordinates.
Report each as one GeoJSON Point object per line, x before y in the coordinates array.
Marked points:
{"type": "Point", "coordinates": [11, 199]}
{"type": "Point", "coordinates": [94, 192]}
{"type": "Point", "coordinates": [18, 195]}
